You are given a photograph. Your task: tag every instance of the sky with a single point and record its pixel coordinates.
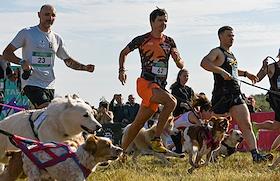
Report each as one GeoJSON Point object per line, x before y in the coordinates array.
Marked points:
{"type": "Point", "coordinates": [95, 31]}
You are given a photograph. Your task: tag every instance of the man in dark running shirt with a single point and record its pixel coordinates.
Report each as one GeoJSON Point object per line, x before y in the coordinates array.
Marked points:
{"type": "Point", "coordinates": [155, 49]}
{"type": "Point", "coordinates": [226, 96]}
{"type": "Point", "coordinates": [273, 73]}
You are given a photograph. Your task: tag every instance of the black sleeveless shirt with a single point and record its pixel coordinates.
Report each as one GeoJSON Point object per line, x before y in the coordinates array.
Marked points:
{"type": "Point", "coordinates": [222, 86]}
{"type": "Point", "coordinates": [275, 79]}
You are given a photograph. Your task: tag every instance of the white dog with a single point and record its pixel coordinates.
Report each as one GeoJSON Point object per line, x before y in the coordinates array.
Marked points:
{"type": "Point", "coordinates": [61, 120]}
{"type": "Point", "coordinates": [94, 151]}
{"type": "Point", "coordinates": [229, 144]}
{"type": "Point", "coordinates": [141, 143]}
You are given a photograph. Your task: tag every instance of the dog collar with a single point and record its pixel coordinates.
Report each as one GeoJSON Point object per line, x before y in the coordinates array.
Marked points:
{"type": "Point", "coordinates": [85, 170]}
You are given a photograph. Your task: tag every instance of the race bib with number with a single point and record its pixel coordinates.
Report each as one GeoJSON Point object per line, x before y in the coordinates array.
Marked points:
{"type": "Point", "coordinates": [159, 68]}
{"type": "Point", "coordinates": [42, 59]}
{"type": "Point", "coordinates": [234, 67]}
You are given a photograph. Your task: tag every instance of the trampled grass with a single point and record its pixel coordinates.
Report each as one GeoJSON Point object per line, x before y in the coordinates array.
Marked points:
{"type": "Point", "coordinates": [237, 167]}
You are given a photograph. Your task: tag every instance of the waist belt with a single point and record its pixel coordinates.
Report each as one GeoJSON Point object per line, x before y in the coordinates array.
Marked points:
{"type": "Point", "coordinates": [152, 77]}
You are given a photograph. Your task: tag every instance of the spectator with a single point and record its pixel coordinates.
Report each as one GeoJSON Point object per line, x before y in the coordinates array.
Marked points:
{"type": "Point", "coordinates": [117, 107]}
{"type": "Point", "coordinates": [131, 109]}
{"type": "Point", "coordinates": [5, 72]}
{"type": "Point", "coordinates": [104, 116]}
{"type": "Point", "coordinates": [183, 93]}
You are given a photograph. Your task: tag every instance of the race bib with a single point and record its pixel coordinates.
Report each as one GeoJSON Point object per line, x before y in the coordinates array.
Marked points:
{"type": "Point", "coordinates": [41, 59]}
{"type": "Point", "coordinates": [159, 68]}
{"type": "Point", "coordinates": [234, 67]}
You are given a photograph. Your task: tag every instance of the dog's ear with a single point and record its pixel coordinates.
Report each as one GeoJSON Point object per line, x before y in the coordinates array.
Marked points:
{"type": "Point", "coordinates": [70, 100]}
{"type": "Point", "coordinates": [91, 144]}
{"type": "Point", "coordinates": [211, 121]}
{"type": "Point", "coordinates": [75, 96]}
{"type": "Point", "coordinates": [213, 118]}
{"type": "Point", "coordinates": [229, 118]}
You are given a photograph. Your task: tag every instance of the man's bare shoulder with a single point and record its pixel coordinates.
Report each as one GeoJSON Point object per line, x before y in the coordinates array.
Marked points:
{"type": "Point", "coordinates": [214, 54]}
{"type": "Point", "coordinates": [216, 51]}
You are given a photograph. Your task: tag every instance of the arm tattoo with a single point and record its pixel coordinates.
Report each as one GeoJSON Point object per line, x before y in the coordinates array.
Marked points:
{"type": "Point", "coordinates": [74, 64]}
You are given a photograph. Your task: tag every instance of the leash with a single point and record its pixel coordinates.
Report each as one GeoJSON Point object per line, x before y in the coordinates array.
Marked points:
{"type": "Point", "coordinates": [12, 107]}
{"type": "Point", "coordinates": [192, 110]}
{"type": "Point", "coordinates": [259, 87]}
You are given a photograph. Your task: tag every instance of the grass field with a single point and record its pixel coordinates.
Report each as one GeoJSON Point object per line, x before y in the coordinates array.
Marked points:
{"type": "Point", "coordinates": [237, 167]}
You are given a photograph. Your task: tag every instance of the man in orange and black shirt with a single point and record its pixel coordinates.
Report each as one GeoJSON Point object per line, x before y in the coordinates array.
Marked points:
{"type": "Point", "coordinates": [155, 49]}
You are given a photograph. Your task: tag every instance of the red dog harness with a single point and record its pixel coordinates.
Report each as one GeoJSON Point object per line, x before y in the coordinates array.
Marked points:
{"type": "Point", "coordinates": [31, 147]}
{"type": "Point", "coordinates": [210, 140]}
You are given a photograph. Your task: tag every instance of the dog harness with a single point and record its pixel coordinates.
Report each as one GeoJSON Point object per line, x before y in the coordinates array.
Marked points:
{"type": "Point", "coordinates": [31, 147]}
{"type": "Point", "coordinates": [230, 150]}
{"type": "Point", "coordinates": [36, 124]}
{"type": "Point", "coordinates": [210, 142]}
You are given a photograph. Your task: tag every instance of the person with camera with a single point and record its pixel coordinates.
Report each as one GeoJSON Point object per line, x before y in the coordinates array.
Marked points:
{"type": "Point", "coordinates": [5, 72]}
{"type": "Point", "coordinates": [118, 108]}
{"type": "Point", "coordinates": [104, 116]}
{"type": "Point", "coordinates": [39, 46]}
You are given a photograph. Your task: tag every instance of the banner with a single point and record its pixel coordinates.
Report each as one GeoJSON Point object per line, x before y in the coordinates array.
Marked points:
{"type": "Point", "coordinates": [13, 96]}
{"type": "Point", "coordinates": [265, 137]}
{"type": "Point", "coordinates": [113, 131]}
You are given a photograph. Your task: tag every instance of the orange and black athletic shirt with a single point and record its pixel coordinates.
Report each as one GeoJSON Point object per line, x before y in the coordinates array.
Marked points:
{"type": "Point", "coordinates": [222, 86]}
{"type": "Point", "coordinates": [154, 54]}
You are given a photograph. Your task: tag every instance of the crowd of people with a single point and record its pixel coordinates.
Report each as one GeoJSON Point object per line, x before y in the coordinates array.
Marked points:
{"type": "Point", "coordinates": [40, 44]}
{"type": "Point", "coordinates": [116, 111]}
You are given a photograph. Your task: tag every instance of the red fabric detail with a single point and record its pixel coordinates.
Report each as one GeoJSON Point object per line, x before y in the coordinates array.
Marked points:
{"type": "Point", "coordinates": [23, 144]}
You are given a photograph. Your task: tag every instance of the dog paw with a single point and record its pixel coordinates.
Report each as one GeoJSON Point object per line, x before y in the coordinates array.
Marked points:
{"type": "Point", "coordinates": [190, 170]}
{"type": "Point", "coordinates": [123, 158]}
{"type": "Point", "coordinates": [272, 166]}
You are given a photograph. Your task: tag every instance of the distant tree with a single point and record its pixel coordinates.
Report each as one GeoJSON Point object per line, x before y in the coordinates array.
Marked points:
{"type": "Point", "coordinates": [261, 103]}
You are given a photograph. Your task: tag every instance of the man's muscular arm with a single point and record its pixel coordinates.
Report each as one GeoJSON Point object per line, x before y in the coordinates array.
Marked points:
{"type": "Point", "coordinates": [210, 63]}
{"type": "Point", "coordinates": [73, 64]}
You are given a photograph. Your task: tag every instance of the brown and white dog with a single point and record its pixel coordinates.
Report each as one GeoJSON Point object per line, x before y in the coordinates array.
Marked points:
{"type": "Point", "coordinates": [94, 151]}
{"type": "Point", "coordinates": [229, 144]}
{"type": "Point", "coordinates": [202, 140]}
{"type": "Point", "coordinates": [141, 143]}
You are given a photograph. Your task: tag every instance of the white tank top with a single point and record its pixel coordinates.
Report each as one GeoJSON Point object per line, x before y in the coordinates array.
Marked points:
{"type": "Point", "coordinates": [182, 121]}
